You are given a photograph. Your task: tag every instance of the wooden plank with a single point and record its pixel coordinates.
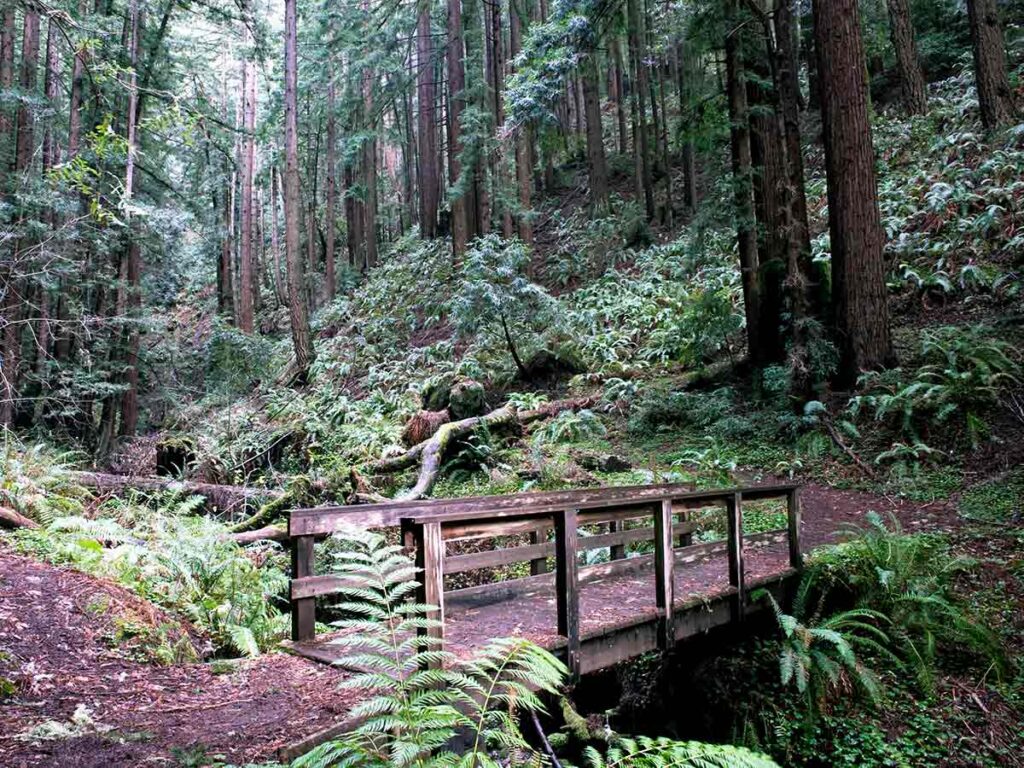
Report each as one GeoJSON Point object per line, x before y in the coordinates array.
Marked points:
{"type": "Point", "coordinates": [686, 538]}
{"type": "Point", "coordinates": [430, 563]}
{"type": "Point", "coordinates": [540, 564]}
{"type": "Point", "coordinates": [796, 558]}
{"type": "Point", "coordinates": [324, 520]}
{"type": "Point", "coordinates": [734, 514]}
{"type": "Point", "coordinates": [315, 586]}
{"type": "Point", "coordinates": [617, 551]}
{"type": "Point", "coordinates": [567, 593]}
{"type": "Point", "coordinates": [484, 529]}
{"type": "Point", "coordinates": [493, 558]}
{"type": "Point", "coordinates": [303, 609]}
{"type": "Point", "coordinates": [664, 577]}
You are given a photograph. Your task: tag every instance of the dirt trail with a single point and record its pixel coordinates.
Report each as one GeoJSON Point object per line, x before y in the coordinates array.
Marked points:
{"type": "Point", "coordinates": [56, 624]}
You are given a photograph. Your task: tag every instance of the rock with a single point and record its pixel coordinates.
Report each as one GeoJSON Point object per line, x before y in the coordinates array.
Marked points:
{"type": "Point", "coordinates": [467, 399]}
{"type": "Point", "coordinates": [606, 463]}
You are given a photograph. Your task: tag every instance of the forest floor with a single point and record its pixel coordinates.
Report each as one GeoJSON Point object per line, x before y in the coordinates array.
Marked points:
{"type": "Point", "coordinates": [89, 698]}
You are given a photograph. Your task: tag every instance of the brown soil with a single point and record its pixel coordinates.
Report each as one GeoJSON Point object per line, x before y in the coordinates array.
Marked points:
{"type": "Point", "coordinates": [56, 626]}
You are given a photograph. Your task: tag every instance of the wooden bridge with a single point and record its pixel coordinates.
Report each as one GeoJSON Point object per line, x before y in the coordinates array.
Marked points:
{"type": "Point", "coordinates": [660, 563]}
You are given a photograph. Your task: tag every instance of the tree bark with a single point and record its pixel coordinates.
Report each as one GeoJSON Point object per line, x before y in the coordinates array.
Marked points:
{"type": "Point", "coordinates": [597, 167]}
{"type": "Point", "coordinates": [742, 165]}
{"type": "Point", "coordinates": [427, 122]}
{"type": "Point", "coordinates": [297, 309]}
{"type": "Point", "coordinates": [860, 306]}
{"type": "Point", "coordinates": [638, 88]}
{"type": "Point", "coordinates": [524, 167]}
{"type": "Point", "coordinates": [27, 81]}
{"type": "Point", "coordinates": [245, 267]}
{"type": "Point", "coordinates": [994, 95]}
{"type": "Point", "coordinates": [456, 102]}
{"type": "Point", "coordinates": [370, 163]}
{"type": "Point", "coordinates": [619, 93]}
{"type": "Point", "coordinates": [901, 32]}
{"type": "Point", "coordinates": [330, 280]}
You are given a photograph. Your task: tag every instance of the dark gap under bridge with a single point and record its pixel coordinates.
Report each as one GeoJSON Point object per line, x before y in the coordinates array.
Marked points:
{"type": "Point", "coordinates": [676, 563]}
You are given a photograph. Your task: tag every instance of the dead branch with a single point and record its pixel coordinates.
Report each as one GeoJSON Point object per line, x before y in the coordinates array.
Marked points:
{"type": "Point", "coordinates": [267, 533]}
{"type": "Point", "coordinates": [430, 453]}
{"type": "Point", "coordinates": [224, 497]}
{"type": "Point", "coordinates": [841, 445]}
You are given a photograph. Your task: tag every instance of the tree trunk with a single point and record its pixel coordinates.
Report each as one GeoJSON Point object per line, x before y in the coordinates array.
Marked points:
{"type": "Point", "coordinates": [597, 167]}
{"type": "Point", "coordinates": [427, 121]}
{"type": "Point", "coordinates": [524, 168]}
{"type": "Point", "coordinates": [684, 78]}
{"type": "Point", "coordinates": [297, 310]}
{"type": "Point", "coordinates": [860, 305]}
{"type": "Point", "coordinates": [638, 54]}
{"type": "Point", "coordinates": [617, 85]}
{"type": "Point", "coordinates": [994, 95]}
{"type": "Point", "coordinates": [29, 66]}
{"type": "Point", "coordinates": [743, 191]}
{"type": "Point", "coordinates": [370, 162]}
{"type": "Point", "coordinates": [456, 102]}
{"type": "Point", "coordinates": [245, 266]}
{"type": "Point", "coordinates": [901, 32]}
{"type": "Point", "coordinates": [330, 280]}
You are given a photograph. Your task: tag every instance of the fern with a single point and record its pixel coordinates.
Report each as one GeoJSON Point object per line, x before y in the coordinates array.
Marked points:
{"type": "Point", "coordinates": [416, 697]}
{"type": "Point", "coordinates": [664, 753]}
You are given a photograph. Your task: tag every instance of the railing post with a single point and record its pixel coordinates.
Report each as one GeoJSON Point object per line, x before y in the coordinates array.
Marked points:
{"type": "Point", "coordinates": [540, 564]}
{"type": "Point", "coordinates": [685, 539]}
{"type": "Point", "coordinates": [430, 564]}
{"type": "Point", "coordinates": [567, 596]}
{"type": "Point", "coordinates": [664, 570]}
{"type": "Point", "coordinates": [618, 551]}
{"type": "Point", "coordinates": [796, 558]}
{"type": "Point", "coordinates": [734, 515]}
{"type": "Point", "coordinates": [304, 608]}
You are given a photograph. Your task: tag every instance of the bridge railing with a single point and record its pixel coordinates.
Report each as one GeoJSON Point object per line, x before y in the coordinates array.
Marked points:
{"type": "Point", "coordinates": [428, 526]}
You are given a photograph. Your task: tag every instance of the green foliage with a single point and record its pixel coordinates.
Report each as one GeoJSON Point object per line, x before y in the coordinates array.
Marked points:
{"type": "Point", "coordinates": [1000, 500]}
{"type": "Point", "coordinates": [665, 753]}
{"type": "Point", "coordinates": [569, 427]}
{"type": "Point", "coordinates": [819, 652]}
{"type": "Point", "coordinates": [962, 374]}
{"type": "Point", "coordinates": [165, 553]}
{"type": "Point", "coordinates": [497, 300]}
{"type": "Point", "coordinates": [235, 362]}
{"type": "Point", "coordinates": [34, 481]}
{"type": "Point", "coordinates": [415, 697]}
{"type": "Point", "coordinates": [907, 577]}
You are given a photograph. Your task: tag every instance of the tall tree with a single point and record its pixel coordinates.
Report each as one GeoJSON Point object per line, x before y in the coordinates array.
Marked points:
{"type": "Point", "coordinates": [330, 279]}
{"type": "Point", "coordinates": [994, 95]}
{"type": "Point", "coordinates": [524, 165]}
{"type": "Point", "coordinates": [248, 148]}
{"type": "Point", "coordinates": [901, 32]}
{"type": "Point", "coordinates": [860, 307]}
{"type": "Point", "coordinates": [427, 122]}
{"type": "Point", "coordinates": [597, 166]}
{"type": "Point", "coordinates": [456, 101]}
{"type": "Point", "coordinates": [298, 312]}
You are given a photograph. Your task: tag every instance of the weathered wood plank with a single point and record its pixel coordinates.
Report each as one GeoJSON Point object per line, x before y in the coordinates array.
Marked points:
{"type": "Point", "coordinates": [567, 591]}
{"type": "Point", "coordinates": [540, 564]}
{"type": "Point", "coordinates": [734, 514]}
{"type": "Point", "coordinates": [796, 558]}
{"type": "Point", "coordinates": [303, 609]}
{"type": "Point", "coordinates": [430, 563]}
{"type": "Point", "coordinates": [664, 575]}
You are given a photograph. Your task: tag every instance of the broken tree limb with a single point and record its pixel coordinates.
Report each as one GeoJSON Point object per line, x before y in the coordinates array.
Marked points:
{"type": "Point", "coordinates": [841, 445]}
{"type": "Point", "coordinates": [430, 453]}
{"type": "Point", "coordinates": [11, 519]}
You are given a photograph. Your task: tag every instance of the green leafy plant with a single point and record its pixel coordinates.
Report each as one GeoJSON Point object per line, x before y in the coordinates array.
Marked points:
{"type": "Point", "coordinates": [666, 753]}
{"type": "Point", "coordinates": [569, 427]}
{"type": "Point", "coordinates": [416, 696]}
{"type": "Point", "coordinates": [819, 652]}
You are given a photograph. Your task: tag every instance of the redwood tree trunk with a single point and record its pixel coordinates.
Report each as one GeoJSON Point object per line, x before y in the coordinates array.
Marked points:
{"type": "Point", "coordinates": [994, 95]}
{"type": "Point", "coordinates": [330, 281]}
{"type": "Point", "coordinates": [860, 307]}
{"type": "Point", "coordinates": [901, 32]}
{"type": "Point", "coordinates": [456, 101]}
{"type": "Point", "coordinates": [597, 167]}
{"type": "Point", "coordinates": [524, 168]}
{"type": "Point", "coordinates": [742, 164]}
{"type": "Point", "coordinates": [297, 310]}
{"type": "Point", "coordinates": [427, 123]}
{"type": "Point", "coordinates": [370, 161]}
{"type": "Point", "coordinates": [245, 267]}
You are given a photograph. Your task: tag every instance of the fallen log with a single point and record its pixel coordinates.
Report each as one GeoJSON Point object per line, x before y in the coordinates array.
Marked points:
{"type": "Point", "coordinates": [11, 519]}
{"type": "Point", "coordinates": [225, 497]}
{"type": "Point", "coordinates": [429, 454]}
{"type": "Point", "coordinates": [267, 533]}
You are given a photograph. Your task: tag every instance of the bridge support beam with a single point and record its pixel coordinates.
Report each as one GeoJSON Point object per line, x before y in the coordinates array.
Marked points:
{"type": "Point", "coordinates": [796, 558]}
{"type": "Point", "coordinates": [430, 564]}
{"type": "Point", "coordinates": [303, 609]}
